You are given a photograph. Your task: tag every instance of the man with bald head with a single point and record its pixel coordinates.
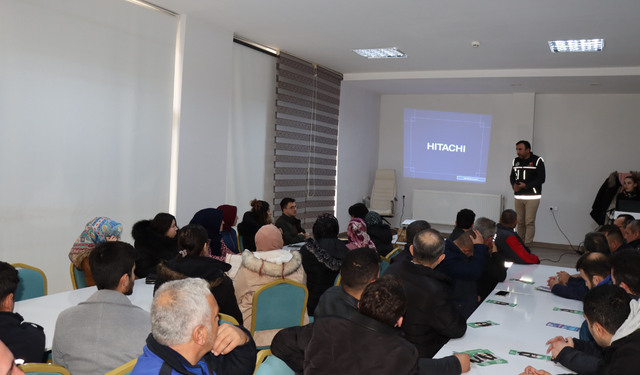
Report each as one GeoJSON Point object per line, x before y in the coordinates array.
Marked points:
{"type": "Point", "coordinates": [185, 336]}
{"type": "Point", "coordinates": [7, 362]}
{"type": "Point", "coordinates": [413, 228]}
{"type": "Point", "coordinates": [431, 318]}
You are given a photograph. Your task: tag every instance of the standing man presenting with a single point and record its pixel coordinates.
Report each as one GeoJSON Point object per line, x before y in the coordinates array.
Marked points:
{"type": "Point", "coordinates": [527, 176]}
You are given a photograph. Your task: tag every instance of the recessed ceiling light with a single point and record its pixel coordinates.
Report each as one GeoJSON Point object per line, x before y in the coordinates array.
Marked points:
{"type": "Point", "coordinates": [381, 53]}
{"type": "Point", "coordinates": [595, 84]}
{"type": "Point", "coordinates": [582, 45]}
{"type": "Point", "coordinates": [516, 84]}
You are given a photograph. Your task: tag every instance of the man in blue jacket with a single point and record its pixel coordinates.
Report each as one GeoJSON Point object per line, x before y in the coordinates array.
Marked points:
{"type": "Point", "coordinates": [186, 339]}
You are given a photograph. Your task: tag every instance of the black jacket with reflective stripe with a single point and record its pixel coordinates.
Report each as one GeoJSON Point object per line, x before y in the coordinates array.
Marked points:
{"type": "Point", "coordinates": [531, 171]}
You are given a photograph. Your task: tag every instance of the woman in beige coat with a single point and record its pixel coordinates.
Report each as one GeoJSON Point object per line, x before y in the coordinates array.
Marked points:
{"type": "Point", "coordinates": [267, 264]}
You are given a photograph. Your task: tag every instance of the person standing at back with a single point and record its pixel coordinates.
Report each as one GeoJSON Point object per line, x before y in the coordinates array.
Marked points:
{"type": "Point", "coordinates": [527, 176]}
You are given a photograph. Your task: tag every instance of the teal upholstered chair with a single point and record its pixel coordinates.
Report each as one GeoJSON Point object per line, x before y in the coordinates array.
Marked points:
{"type": "Point", "coordinates": [240, 244]}
{"type": "Point", "coordinates": [338, 280]}
{"type": "Point", "coordinates": [33, 282]}
{"type": "Point", "coordinates": [384, 264]}
{"type": "Point", "coordinates": [77, 277]}
{"type": "Point", "coordinates": [279, 304]}
{"type": "Point", "coordinates": [393, 253]}
{"type": "Point", "coordinates": [224, 318]}
{"type": "Point", "coordinates": [268, 364]}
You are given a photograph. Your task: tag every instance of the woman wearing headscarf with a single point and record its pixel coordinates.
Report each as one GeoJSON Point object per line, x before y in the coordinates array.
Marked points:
{"type": "Point", "coordinates": [229, 235]}
{"type": "Point", "coordinates": [322, 257]}
{"type": "Point", "coordinates": [98, 230]}
{"type": "Point", "coordinates": [357, 233]}
{"type": "Point", "coordinates": [192, 261]}
{"type": "Point", "coordinates": [155, 240]}
{"type": "Point", "coordinates": [211, 219]}
{"type": "Point", "coordinates": [266, 264]}
{"type": "Point", "coordinates": [379, 233]}
{"type": "Point", "coordinates": [252, 221]}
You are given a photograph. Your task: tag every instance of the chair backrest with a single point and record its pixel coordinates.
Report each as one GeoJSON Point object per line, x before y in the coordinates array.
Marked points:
{"type": "Point", "coordinates": [268, 364]}
{"type": "Point", "coordinates": [77, 277]}
{"type": "Point", "coordinates": [393, 253]}
{"type": "Point", "coordinates": [224, 318]}
{"type": "Point", "coordinates": [279, 304]}
{"type": "Point", "coordinates": [384, 264]}
{"type": "Point", "coordinates": [124, 369]}
{"type": "Point", "coordinates": [43, 368]}
{"type": "Point", "coordinates": [32, 284]}
{"type": "Point", "coordinates": [338, 280]}
{"type": "Point", "coordinates": [383, 192]}
{"type": "Point", "coordinates": [240, 244]}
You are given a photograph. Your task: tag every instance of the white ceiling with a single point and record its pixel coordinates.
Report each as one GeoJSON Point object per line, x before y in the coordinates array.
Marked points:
{"type": "Point", "coordinates": [437, 34]}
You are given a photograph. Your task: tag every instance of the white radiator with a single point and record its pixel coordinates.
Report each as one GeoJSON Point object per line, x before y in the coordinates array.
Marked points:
{"type": "Point", "coordinates": [441, 207]}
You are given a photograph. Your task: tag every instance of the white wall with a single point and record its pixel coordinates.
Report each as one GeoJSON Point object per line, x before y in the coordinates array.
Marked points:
{"type": "Point", "coordinates": [204, 124]}
{"type": "Point", "coordinates": [582, 138]}
{"type": "Point", "coordinates": [251, 156]}
{"type": "Point", "coordinates": [358, 139]}
{"type": "Point", "coordinates": [512, 120]}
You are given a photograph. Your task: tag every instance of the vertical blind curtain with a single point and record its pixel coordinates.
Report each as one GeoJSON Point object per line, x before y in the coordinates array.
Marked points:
{"type": "Point", "coordinates": [306, 147]}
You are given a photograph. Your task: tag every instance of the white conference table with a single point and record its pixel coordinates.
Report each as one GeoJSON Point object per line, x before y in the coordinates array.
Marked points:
{"type": "Point", "coordinates": [522, 327]}
{"type": "Point", "coordinates": [44, 311]}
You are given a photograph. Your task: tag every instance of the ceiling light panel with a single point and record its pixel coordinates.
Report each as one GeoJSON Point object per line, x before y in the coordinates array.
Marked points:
{"type": "Point", "coordinates": [582, 45]}
{"type": "Point", "coordinates": [381, 53]}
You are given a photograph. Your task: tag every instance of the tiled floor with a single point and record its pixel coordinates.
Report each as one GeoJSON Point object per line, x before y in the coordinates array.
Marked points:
{"type": "Point", "coordinates": [553, 257]}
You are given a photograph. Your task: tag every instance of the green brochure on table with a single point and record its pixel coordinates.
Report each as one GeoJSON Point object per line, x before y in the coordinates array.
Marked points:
{"type": "Point", "coordinates": [484, 357]}
{"type": "Point", "coordinates": [568, 310]}
{"type": "Point", "coordinates": [486, 323]}
{"type": "Point", "coordinates": [500, 303]}
{"type": "Point", "coordinates": [530, 355]}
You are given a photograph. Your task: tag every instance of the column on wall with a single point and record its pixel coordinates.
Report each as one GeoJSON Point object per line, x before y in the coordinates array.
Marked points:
{"type": "Point", "coordinates": [306, 145]}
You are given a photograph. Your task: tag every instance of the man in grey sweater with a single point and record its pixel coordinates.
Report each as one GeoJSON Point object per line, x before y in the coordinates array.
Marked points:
{"type": "Point", "coordinates": [107, 330]}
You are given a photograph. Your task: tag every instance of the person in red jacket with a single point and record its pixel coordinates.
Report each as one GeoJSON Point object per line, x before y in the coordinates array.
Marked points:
{"type": "Point", "coordinates": [509, 243]}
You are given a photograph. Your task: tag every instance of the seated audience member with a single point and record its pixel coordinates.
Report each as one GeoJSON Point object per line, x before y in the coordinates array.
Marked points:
{"type": "Point", "coordinates": [292, 231]}
{"type": "Point", "coordinates": [413, 228]}
{"type": "Point", "coordinates": [259, 215]}
{"type": "Point", "coordinates": [107, 330]}
{"type": "Point", "coordinates": [632, 234]}
{"type": "Point", "coordinates": [574, 287]}
{"type": "Point", "coordinates": [358, 210]}
{"type": "Point", "coordinates": [359, 345]}
{"type": "Point", "coordinates": [595, 242]}
{"type": "Point", "coordinates": [186, 339]}
{"type": "Point", "coordinates": [357, 234]}
{"type": "Point", "coordinates": [494, 270]}
{"type": "Point", "coordinates": [359, 268]}
{"type": "Point", "coordinates": [509, 243]}
{"type": "Point", "coordinates": [25, 340]}
{"type": "Point", "coordinates": [630, 191]}
{"type": "Point", "coordinates": [625, 271]}
{"type": "Point", "coordinates": [8, 361]}
{"type": "Point", "coordinates": [321, 258]}
{"type": "Point", "coordinates": [379, 233]}
{"type": "Point", "coordinates": [268, 263]}
{"type": "Point", "coordinates": [464, 223]}
{"type": "Point", "coordinates": [431, 318]}
{"type": "Point", "coordinates": [614, 322]}
{"type": "Point", "coordinates": [229, 220]}
{"type": "Point", "coordinates": [622, 221]}
{"type": "Point", "coordinates": [98, 230]}
{"type": "Point", "coordinates": [211, 219]}
{"type": "Point", "coordinates": [465, 262]}
{"type": "Point", "coordinates": [614, 238]}
{"type": "Point", "coordinates": [595, 270]}
{"type": "Point", "coordinates": [192, 261]}
{"type": "Point", "coordinates": [155, 240]}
